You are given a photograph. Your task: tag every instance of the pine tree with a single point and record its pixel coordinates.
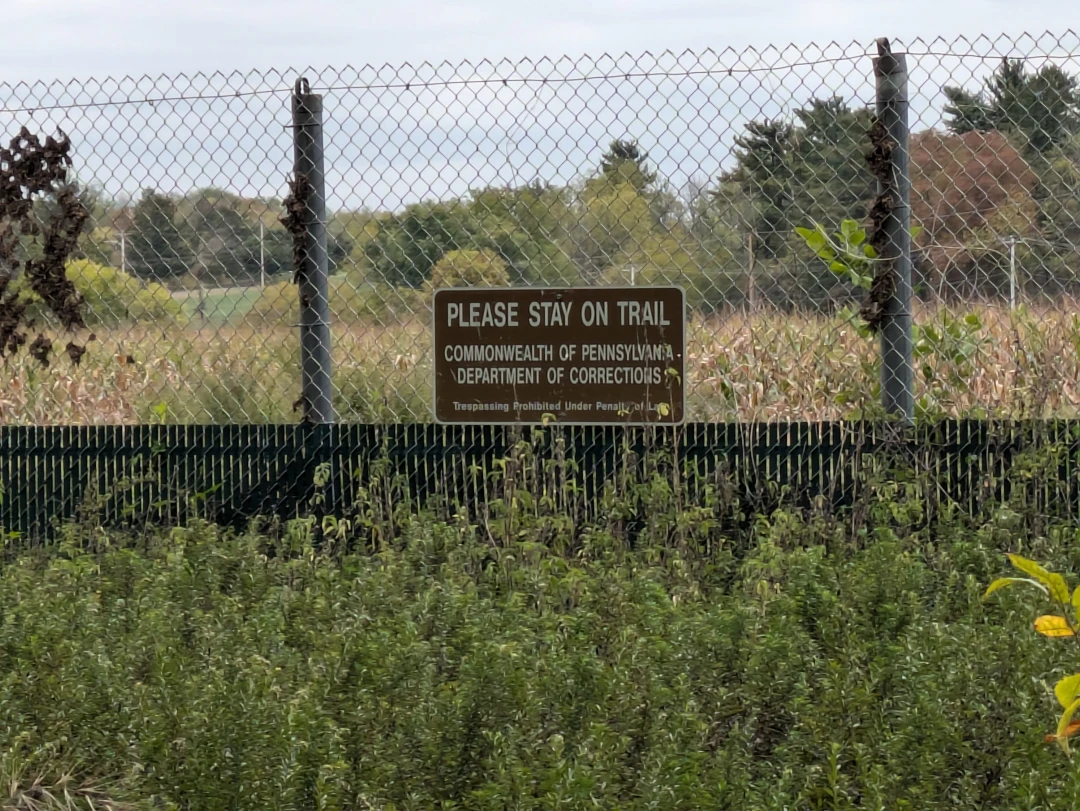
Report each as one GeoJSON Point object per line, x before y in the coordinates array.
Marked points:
{"type": "Point", "coordinates": [626, 162]}
{"type": "Point", "coordinates": [156, 246]}
{"type": "Point", "coordinates": [765, 174]}
{"type": "Point", "coordinates": [833, 181]}
{"type": "Point", "coordinates": [1042, 107]}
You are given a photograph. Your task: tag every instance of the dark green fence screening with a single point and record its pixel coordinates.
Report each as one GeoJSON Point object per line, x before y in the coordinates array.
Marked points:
{"type": "Point", "coordinates": [134, 475]}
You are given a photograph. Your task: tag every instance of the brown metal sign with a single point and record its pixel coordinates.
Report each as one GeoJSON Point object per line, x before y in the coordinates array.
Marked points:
{"type": "Point", "coordinates": [572, 355]}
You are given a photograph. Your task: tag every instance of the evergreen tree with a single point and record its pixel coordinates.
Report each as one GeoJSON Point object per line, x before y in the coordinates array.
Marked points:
{"type": "Point", "coordinates": [833, 181]}
{"type": "Point", "coordinates": [765, 173]}
{"type": "Point", "coordinates": [156, 246]}
{"type": "Point", "coordinates": [626, 162]}
{"type": "Point", "coordinates": [1042, 107]}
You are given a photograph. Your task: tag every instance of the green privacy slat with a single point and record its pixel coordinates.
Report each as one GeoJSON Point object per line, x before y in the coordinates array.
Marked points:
{"type": "Point", "coordinates": [126, 475]}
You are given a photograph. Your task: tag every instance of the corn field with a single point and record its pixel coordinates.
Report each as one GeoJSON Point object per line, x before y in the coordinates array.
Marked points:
{"type": "Point", "coordinates": [765, 366]}
{"type": "Point", "coordinates": [702, 170]}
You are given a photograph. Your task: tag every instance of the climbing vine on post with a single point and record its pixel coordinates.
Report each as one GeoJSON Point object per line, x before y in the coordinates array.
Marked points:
{"type": "Point", "coordinates": [849, 253]}
{"type": "Point", "coordinates": [944, 353]}
{"type": "Point", "coordinates": [846, 252]}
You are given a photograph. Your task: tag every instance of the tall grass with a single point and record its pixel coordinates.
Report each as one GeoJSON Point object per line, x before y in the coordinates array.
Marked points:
{"type": "Point", "coordinates": [765, 366]}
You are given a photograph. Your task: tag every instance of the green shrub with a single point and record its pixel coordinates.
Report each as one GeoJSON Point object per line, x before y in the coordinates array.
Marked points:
{"type": "Point", "coordinates": [811, 670]}
{"type": "Point", "coordinates": [470, 268]}
{"type": "Point", "coordinates": [349, 302]}
{"type": "Point", "coordinates": [113, 297]}
{"type": "Point", "coordinates": [519, 651]}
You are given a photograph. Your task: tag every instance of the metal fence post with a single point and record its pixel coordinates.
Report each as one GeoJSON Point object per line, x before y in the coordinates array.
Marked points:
{"type": "Point", "coordinates": [317, 383]}
{"type": "Point", "coordinates": [897, 362]}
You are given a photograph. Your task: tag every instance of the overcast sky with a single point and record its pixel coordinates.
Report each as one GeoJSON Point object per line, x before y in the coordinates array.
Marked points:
{"type": "Point", "coordinates": [389, 146]}
{"type": "Point", "coordinates": [76, 38]}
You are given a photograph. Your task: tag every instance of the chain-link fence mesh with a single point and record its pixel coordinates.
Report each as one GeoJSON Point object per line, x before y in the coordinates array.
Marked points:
{"type": "Point", "coordinates": [694, 169]}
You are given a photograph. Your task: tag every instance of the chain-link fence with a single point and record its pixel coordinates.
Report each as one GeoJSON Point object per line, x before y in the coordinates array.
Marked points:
{"type": "Point", "coordinates": [711, 171]}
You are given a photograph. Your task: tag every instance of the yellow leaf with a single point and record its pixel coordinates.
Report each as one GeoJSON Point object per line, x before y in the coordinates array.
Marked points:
{"type": "Point", "coordinates": [1050, 625]}
{"type": "Point", "coordinates": [1002, 582]}
{"type": "Point", "coordinates": [1067, 689]}
{"type": "Point", "coordinates": [1055, 583]}
{"type": "Point", "coordinates": [1029, 567]}
{"type": "Point", "coordinates": [1059, 590]}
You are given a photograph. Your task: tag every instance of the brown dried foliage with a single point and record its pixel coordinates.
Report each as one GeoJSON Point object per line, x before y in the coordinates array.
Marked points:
{"type": "Point", "coordinates": [296, 216]}
{"type": "Point", "coordinates": [958, 183]}
{"type": "Point", "coordinates": [41, 349]}
{"type": "Point", "coordinates": [295, 221]}
{"type": "Point", "coordinates": [880, 159]}
{"type": "Point", "coordinates": [29, 170]}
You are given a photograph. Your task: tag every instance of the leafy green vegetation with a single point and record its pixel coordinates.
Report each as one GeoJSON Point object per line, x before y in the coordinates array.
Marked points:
{"type": "Point", "coordinates": [530, 656]}
{"type": "Point", "coordinates": [110, 297]}
{"type": "Point", "coordinates": [1063, 623]}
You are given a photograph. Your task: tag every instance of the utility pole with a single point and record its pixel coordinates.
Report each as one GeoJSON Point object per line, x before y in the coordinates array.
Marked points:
{"type": "Point", "coordinates": [262, 258]}
{"type": "Point", "coordinates": [1012, 273]}
{"type": "Point", "coordinates": [751, 287]}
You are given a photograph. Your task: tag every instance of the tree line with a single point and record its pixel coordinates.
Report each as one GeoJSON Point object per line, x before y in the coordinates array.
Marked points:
{"type": "Point", "coordinates": [209, 236]}
{"type": "Point", "coordinates": [999, 182]}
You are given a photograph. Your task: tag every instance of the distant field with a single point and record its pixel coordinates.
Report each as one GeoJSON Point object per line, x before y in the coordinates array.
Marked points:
{"type": "Point", "coordinates": [768, 366]}
{"type": "Point", "coordinates": [221, 305]}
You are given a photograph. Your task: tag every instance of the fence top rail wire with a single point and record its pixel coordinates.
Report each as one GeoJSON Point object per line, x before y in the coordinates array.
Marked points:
{"type": "Point", "coordinates": [730, 61]}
